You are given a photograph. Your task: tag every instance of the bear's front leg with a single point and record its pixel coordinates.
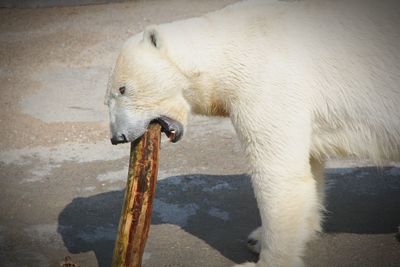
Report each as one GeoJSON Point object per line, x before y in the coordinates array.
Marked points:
{"type": "Point", "coordinates": [278, 150]}
{"type": "Point", "coordinates": [286, 206]}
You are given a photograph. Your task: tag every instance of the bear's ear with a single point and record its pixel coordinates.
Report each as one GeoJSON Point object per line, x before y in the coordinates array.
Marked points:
{"type": "Point", "coordinates": [151, 36]}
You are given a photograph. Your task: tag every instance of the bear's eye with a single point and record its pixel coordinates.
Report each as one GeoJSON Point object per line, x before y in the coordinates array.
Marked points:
{"type": "Point", "coordinates": [122, 90]}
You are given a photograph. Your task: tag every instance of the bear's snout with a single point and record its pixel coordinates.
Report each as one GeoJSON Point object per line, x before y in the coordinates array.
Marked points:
{"type": "Point", "coordinates": [118, 139]}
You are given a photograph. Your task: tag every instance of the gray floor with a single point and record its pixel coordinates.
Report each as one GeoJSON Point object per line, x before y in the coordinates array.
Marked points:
{"type": "Point", "coordinates": [62, 182]}
{"type": "Point", "coordinates": [52, 3]}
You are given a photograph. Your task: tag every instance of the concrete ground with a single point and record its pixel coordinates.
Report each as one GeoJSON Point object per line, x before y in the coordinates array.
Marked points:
{"type": "Point", "coordinates": [52, 3]}
{"type": "Point", "coordinates": [62, 182]}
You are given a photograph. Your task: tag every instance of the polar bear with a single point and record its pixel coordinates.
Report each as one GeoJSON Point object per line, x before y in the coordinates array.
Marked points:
{"type": "Point", "coordinates": [301, 81]}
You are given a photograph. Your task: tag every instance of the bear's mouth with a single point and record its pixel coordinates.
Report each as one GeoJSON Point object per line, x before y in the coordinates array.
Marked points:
{"type": "Point", "coordinates": [172, 128]}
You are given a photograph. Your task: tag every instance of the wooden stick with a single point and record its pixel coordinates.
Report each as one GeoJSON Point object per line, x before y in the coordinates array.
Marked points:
{"type": "Point", "coordinates": [135, 217]}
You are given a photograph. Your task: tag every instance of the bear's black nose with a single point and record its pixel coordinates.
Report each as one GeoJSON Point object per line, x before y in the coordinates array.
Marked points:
{"type": "Point", "coordinates": [118, 139]}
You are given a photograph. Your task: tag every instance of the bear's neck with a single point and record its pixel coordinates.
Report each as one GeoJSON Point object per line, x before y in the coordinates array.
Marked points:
{"type": "Point", "coordinates": [199, 56]}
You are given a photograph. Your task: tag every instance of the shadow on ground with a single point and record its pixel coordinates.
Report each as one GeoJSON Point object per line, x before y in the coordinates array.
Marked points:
{"type": "Point", "coordinates": [221, 210]}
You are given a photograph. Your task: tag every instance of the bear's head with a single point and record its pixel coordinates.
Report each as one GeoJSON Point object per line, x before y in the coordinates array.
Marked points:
{"type": "Point", "coordinates": [146, 86]}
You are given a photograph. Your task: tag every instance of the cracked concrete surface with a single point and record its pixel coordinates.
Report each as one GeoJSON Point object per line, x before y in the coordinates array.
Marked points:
{"type": "Point", "coordinates": [62, 182]}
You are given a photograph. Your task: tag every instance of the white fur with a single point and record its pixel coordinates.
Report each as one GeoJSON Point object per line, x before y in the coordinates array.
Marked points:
{"type": "Point", "coordinates": [301, 81]}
